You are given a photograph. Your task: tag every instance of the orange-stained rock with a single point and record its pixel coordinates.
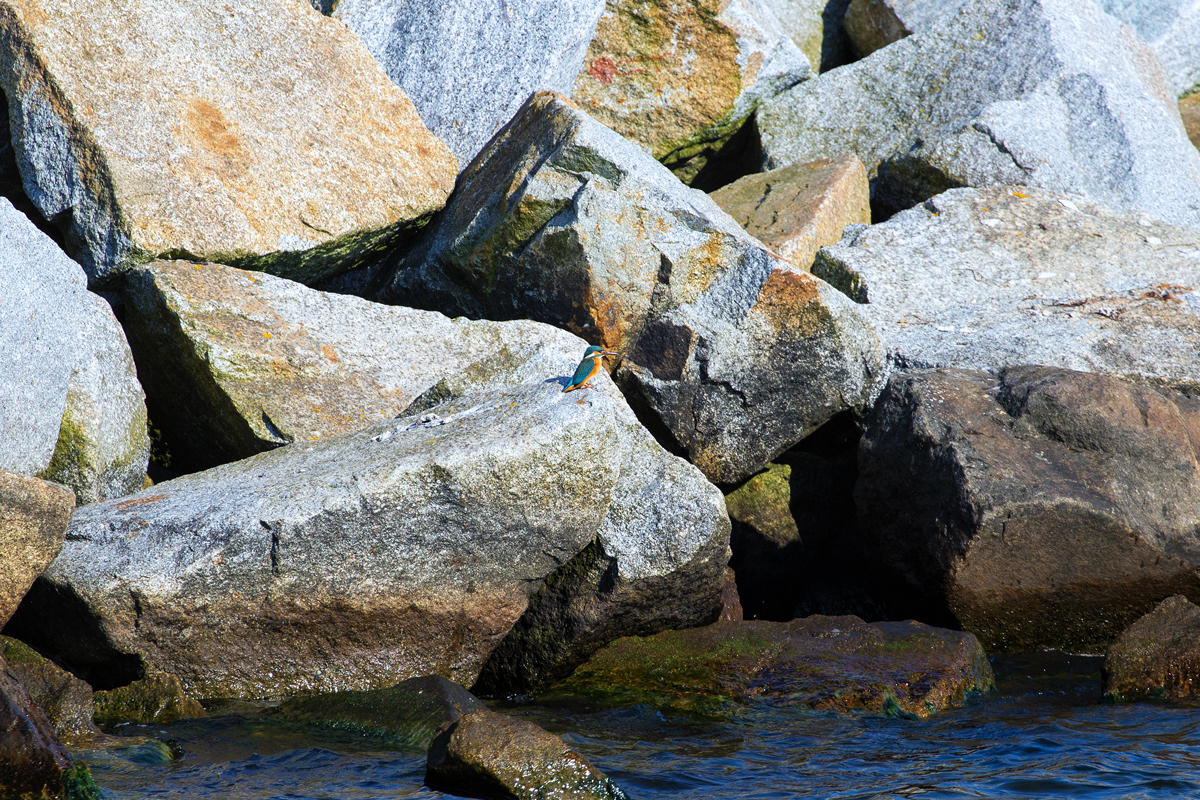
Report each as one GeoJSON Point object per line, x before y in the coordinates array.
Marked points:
{"type": "Point", "coordinates": [799, 209]}
{"type": "Point", "coordinates": [1189, 110]}
{"type": "Point", "coordinates": [33, 521]}
{"type": "Point", "coordinates": [253, 133]}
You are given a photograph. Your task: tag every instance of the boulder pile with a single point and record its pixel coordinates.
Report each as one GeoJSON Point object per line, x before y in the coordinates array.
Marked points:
{"type": "Point", "coordinates": [901, 300]}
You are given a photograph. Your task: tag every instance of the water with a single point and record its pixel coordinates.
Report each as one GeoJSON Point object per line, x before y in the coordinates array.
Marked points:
{"type": "Point", "coordinates": [1045, 734]}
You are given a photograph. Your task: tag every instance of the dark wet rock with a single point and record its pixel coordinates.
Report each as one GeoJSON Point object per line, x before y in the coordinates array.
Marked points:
{"type": "Point", "coordinates": [1158, 656]}
{"type": "Point", "coordinates": [798, 209]}
{"type": "Point", "coordinates": [1042, 508]}
{"type": "Point", "coordinates": [730, 355]}
{"type": "Point", "coordinates": [872, 24]}
{"type": "Point", "coordinates": [681, 79]}
{"type": "Point", "coordinates": [234, 152]}
{"type": "Point", "coordinates": [408, 714]}
{"type": "Point", "coordinates": [485, 754]}
{"type": "Point", "coordinates": [237, 362]}
{"type": "Point", "coordinates": [1051, 94]}
{"type": "Point", "coordinates": [412, 547]}
{"type": "Point", "coordinates": [824, 663]}
{"type": "Point", "coordinates": [731, 601]}
{"type": "Point", "coordinates": [33, 763]}
{"type": "Point", "coordinates": [468, 66]}
{"type": "Point", "coordinates": [66, 700]}
{"type": "Point", "coordinates": [158, 697]}
{"type": "Point", "coordinates": [33, 522]}
{"type": "Point", "coordinates": [986, 278]}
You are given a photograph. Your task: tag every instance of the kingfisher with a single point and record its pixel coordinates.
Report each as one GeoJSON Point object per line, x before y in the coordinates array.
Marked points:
{"type": "Point", "coordinates": [587, 368]}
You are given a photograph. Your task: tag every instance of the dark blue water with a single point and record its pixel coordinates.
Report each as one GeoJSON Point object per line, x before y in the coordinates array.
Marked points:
{"type": "Point", "coordinates": [1045, 734]}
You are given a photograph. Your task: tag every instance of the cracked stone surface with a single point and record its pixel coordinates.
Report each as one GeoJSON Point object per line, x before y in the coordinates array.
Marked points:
{"type": "Point", "coordinates": [411, 547]}
{"type": "Point", "coordinates": [729, 353]}
{"type": "Point", "coordinates": [268, 136]}
{"type": "Point", "coordinates": [984, 278]}
{"type": "Point", "coordinates": [1051, 94]}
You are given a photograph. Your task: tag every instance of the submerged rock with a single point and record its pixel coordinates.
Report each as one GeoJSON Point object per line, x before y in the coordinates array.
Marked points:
{"type": "Point", "coordinates": [156, 698]}
{"type": "Point", "coordinates": [1158, 656]}
{"type": "Point", "coordinates": [984, 278]}
{"type": "Point", "coordinates": [1040, 509]}
{"type": "Point", "coordinates": [409, 548]}
{"type": "Point", "coordinates": [238, 362]}
{"type": "Point", "coordinates": [730, 354]}
{"type": "Point", "coordinates": [1051, 94]}
{"type": "Point", "coordinates": [468, 66]}
{"type": "Point", "coordinates": [799, 209]}
{"type": "Point", "coordinates": [408, 714]}
{"type": "Point", "coordinates": [233, 152]}
{"type": "Point", "coordinates": [825, 663]}
{"type": "Point", "coordinates": [66, 700]}
{"type": "Point", "coordinates": [488, 754]}
{"type": "Point", "coordinates": [680, 78]}
{"type": "Point", "coordinates": [33, 522]}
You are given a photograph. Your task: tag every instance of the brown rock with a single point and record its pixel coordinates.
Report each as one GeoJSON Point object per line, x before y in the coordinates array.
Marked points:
{"type": "Point", "coordinates": [679, 77]}
{"type": "Point", "coordinates": [1043, 508]}
{"type": "Point", "coordinates": [825, 663]}
{"type": "Point", "coordinates": [872, 24]}
{"type": "Point", "coordinates": [489, 754]}
{"type": "Point", "coordinates": [1189, 110]}
{"type": "Point", "coordinates": [66, 700]}
{"type": "Point", "coordinates": [159, 697]}
{"type": "Point", "coordinates": [268, 137]}
{"type": "Point", "coordinates": [799, 209]}
{"type": "Point", "coordinates": [33, 521]}
{"type": "Point", "coordinates": [1158, 656]}
{"type": "Point", "coordinates": [33, 763]}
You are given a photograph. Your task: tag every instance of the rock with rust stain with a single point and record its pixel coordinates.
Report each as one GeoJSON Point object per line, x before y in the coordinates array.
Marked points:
{"type": "Point", "coordinates": [236, 362]}
{"type": "Point", "coordinates": [799, 209]}
{"type": "Point", "coordinates": [983, 278]}
{"type": "Point", "coordinates": [1157, 657]}
{"type": "Point", "coordinates": [33, 523]}
{"type": "Point", "coordinates": [34, 765]}
{"type": "Point", "coordinates": [66, 700]}
{"type": "Point", "coordinates": [680, 77]}
{"type": "Point", "coordinates": [731, 355]}
{"type": "Point", "coordinates": [903, 669]}
{"type": "Point", "coordinates": [485, 754]}
{"type": "Point", "coordinates": [233, 152]}
{"type": "Point", "coordinates": [1053, 94]}
{"type": "Point", "coordinates": [1039, 509]}
{"type": "Point", "coordinates": [467, 65]}
{"type": "Point", "coordinates": [508, 533]}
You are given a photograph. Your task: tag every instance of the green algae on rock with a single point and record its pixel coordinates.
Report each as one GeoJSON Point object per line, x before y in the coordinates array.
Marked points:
{"type": "Point", "coordinates": [825, 663]}
{"type": "Point", "coordinates": [159, 697]}
{"type": "Point", "coordinates": [1157, 657]}
{"type": "Point", "coordinates": [66, 700]}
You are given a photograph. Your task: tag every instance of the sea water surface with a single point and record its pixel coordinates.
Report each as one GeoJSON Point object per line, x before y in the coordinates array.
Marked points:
{"type": "Point", "coordinates": [1045, 734]}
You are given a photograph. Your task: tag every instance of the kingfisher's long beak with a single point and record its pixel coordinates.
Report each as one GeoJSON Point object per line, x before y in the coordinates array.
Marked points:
{"type": "Point", "coordinates": [607, 353]}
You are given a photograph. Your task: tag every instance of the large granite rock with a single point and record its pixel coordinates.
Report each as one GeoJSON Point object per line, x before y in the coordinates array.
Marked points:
{"type": "Point", "coordinates": [983, 278]}
{"type": "Point", "coordinates": [103, 445]}
{"type": "Point", "coordinates": [1157, 657]}
{"type": "Point", "coordinates": [235, 151]}
{"type": "Point", "coordinates": [1043, 93]}
{"type": "Point", "coordinates": [1039, 509]}
{"type": "Point", "coordinates": [408, 714]}
{"type": "Point", "coordinates": [799, 209]}
{"type": "Point", "coordinates": [66, 700]}
{"type": "Point", "coordinates": [33, 763]}
{"type": "Point", "coordinates": [235, 362]}
{"type": "Point", "coordinates": [902, 669]}
{"type": "Point", "coordinates": [730, 354]}
{"type": "Point", "coordinates": [33, 523]}
{"type": "Point", "coordinates": [816, 28]}
{"type": "Point", "coordinates": [468, 66]}
{"type": "Point", "coordinates": [1172, 29]}
{"type": "Point", "coordinates": [485, 754]}
{"type": "Point", "coordinates": [40, 317]}
{"type": "Point", "coordinates": [680, 78]}
{"type": "Point", "coordinates": [408, 548]}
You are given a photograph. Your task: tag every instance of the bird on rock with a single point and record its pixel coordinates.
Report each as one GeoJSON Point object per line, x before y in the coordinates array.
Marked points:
{"type": "Point", "coordinates": [587, 368]}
